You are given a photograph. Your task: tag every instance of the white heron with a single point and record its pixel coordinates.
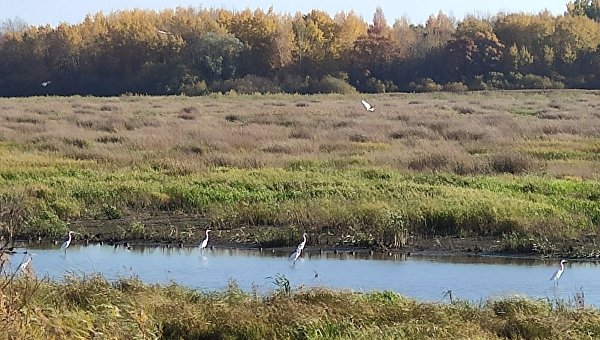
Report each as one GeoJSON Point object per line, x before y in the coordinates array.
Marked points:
{"type": "Point", "coordinates": [295, 255]}
{"type": "Point", "coordinates": [25, 267]}
{"type": "Point", "coordinates": [205, 242]}
{"type": "Point", "coordinates": [163, 32]}
{"type": "Point", "coordinates": [367, 106]}
{"type": "Point", "coordinates": [45, 83]}
{"type": "Point", "coordinates": [67, 243]}
{"type": "Point", "coordinates": [558, 273]}
{"type": "Point", "coordinates": [303, 243]}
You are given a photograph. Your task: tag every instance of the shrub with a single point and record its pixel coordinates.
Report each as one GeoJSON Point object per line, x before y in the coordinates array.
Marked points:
{"type": "Point", "coordinates": [329, 84]}
{"type": "Point", "coordinates": [248, 85]}
{"type": "Point", "coordinates": [425, 85]}
{"type": "Point", "coordinates": [46, 224]}
{"type": "Point", "coordinates": [497, 80]}
{"type": "Point", "coordinates": [300, 134]}
{"type": "Point", "coordinates": [358, 138]}
{"type": "Point", "coordinates": [456, 87]}
{"type": "Point", "coordinates": [193, 87]}
{"type": "Point", "coordinates": [512, 163]}
{"type": "Point", "coordinates": [110, 139]}
{"type": "Point", "coordinates": [532, 81]}
{"type": "Point", "coordinates": [375, 85]}
{"type": "Point", "coordinates": [292, 83]}
{"type": "Point", "coordinates": [435, 161]}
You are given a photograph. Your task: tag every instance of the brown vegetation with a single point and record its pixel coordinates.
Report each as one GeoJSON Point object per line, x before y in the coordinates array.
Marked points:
{"type": "Point", "coordinates": [95, 308]}
{"type": "Point", "coordinates": [485, 132]}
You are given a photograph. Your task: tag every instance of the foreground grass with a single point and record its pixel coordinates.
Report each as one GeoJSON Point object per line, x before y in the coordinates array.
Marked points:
{"type": "Point", "coordinates": [424, 165]}
{"type": "Point", "coordinates": [93, 307]}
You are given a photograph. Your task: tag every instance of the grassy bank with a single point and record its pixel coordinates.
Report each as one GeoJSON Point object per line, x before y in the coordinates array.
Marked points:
{"type": "Point", "coordinates": [519, 166]}
{"type": "Point", "coordinates": [93, 307]}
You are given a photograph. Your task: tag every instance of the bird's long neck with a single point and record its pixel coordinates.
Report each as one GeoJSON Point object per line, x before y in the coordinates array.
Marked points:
{"type": "Point", "coordinates": [562, 266]}
{"type": "Point", "coordinates": [69, 237]}
{"type": "Point", "coordinates": [207, 234]}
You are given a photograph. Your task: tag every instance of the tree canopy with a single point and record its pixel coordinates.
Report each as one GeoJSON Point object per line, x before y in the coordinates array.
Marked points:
{"type": "Point", "coordinates": [196, 51]}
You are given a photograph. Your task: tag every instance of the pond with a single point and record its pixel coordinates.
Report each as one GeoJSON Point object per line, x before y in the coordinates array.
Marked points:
{"type": "Point", "coordinates": [428, 278]}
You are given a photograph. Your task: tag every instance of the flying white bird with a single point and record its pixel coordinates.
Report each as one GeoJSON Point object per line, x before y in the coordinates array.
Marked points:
{"type": "Point", "coordinates": [205, 242]}
{"type": "Point", "coordinates": [295, 255]}
{"type": "Point", "coordinates": [367, 106]}
{"type": "Point", "coordinates": [67, 243]}
{"type": "Point", "coordinates": [45, 83]}
{"type": "Point", "coordinates": [163, 32]}
{"type": "Point", "coordinates": [558, 273]}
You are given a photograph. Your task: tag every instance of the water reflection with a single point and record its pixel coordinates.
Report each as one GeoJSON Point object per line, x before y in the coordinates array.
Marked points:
{"type": "Point", "coordinates": [422, 277]}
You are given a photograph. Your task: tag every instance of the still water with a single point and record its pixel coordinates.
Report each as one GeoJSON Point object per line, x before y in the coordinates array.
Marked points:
{"type": "Point", "coordinates": [424, 278]}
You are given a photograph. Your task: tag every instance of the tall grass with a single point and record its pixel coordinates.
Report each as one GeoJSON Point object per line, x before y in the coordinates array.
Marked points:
{"type": "Point", "coordinates": [460, 133]}
{"type": "Point", "coordinates": [93, 307]}
{"type": "Point", "coordinates": [422, 164]}
{"type": "Point", "coordinates": [319, 197]}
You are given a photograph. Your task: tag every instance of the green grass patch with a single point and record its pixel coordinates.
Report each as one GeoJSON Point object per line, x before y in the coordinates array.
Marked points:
{"type": "Point", "coordinates": [318, 197]}
{"type": "Point", "coordinates": [525, 111]}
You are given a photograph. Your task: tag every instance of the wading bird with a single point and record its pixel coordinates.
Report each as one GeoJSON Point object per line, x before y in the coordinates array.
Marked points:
{"type": "Point", "coordinates": [303, 243]}
{"type": "Point", "coordinates": [295, 255]}
{"type": "Point", "coordinates": [26, 267]}
{"type": "Point", "coordinates": [205, 242]}
{"type": "Point", "coordinates": [67, 243]}
{"type": "Point", "coordinates": [367, 106]}
{"type": "Point", "coordinates": [558, 273]}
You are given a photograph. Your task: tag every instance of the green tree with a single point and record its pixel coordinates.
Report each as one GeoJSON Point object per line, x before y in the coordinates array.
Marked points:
{"type": "Point", "coordinates": [217, 55]}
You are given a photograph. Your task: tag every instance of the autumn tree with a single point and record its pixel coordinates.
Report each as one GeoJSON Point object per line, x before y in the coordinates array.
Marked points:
{"type": "Point", "coordinates": [528, 40]}
{"type": "Point", "coordinates": [197, 50]}
{"type": "Point", "coordinates": [374, 55]}
{"type": "Point", "coordinates": [257, 30]}
{"type": "Point", "coordinates": [475, 50]}
{"type": "Point", "coordinates": [13, 26]}
{"type": "Point", "coordinates": [310, 42]}
{"type": "Point", "coordinates": [588, 8]}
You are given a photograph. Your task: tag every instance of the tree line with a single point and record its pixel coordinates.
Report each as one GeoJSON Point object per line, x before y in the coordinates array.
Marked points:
{"type": "Point", "coordinates": [196, 51]}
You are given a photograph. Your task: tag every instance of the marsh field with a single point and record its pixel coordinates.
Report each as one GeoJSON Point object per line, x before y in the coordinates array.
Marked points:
{"type": "Point", "coordinates": [514, 171]}
{"type": "Point", "coordinates": [484, 171]}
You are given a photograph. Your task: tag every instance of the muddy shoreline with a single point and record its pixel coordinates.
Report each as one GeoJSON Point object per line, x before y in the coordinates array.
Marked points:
{"type": "Point", "coordinates": [188, 230]}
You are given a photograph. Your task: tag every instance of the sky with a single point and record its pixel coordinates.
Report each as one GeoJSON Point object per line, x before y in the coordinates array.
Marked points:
{"type": "Point", "coordinates": [53, 12]}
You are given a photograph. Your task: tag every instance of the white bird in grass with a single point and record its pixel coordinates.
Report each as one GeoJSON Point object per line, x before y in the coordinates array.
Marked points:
{"type": "Point", "coordinates": [205, 242]}
{"type": "Point", "coordinates": [295, 255]}
{"type": "Point", "coordinates": [367, 106]}
{"type": "Point", "coordinates": [558, 273]}
{"type": "Point", "coordinates": [67, 243]}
